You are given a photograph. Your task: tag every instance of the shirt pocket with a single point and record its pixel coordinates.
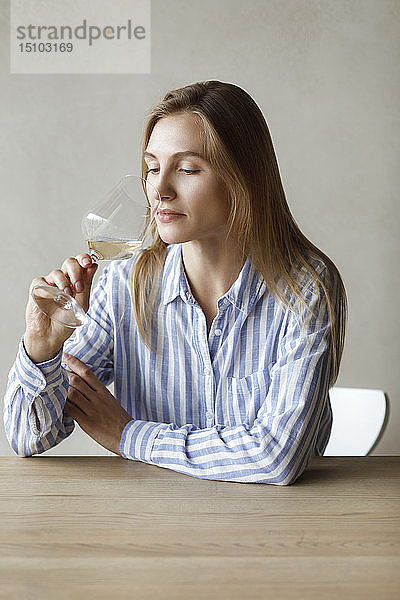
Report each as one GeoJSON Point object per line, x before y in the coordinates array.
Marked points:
{"type": "Point", "coordinates": [245, 396]}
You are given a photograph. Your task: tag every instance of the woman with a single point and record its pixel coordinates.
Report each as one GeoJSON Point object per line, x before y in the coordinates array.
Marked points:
{"type": "Point", "coordinates": [222, 338]}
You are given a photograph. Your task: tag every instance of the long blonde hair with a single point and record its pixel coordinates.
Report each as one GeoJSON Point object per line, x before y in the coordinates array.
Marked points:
{"type": "Point", "coordinates": [238, 145]}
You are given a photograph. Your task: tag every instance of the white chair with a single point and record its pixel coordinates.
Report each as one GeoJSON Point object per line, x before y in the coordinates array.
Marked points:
{"type": "Point", "coordinates": [359, 420]}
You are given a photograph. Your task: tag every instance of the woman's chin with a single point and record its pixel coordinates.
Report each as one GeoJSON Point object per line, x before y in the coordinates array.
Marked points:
{"type": "Point", "coordinates": [173, 238]}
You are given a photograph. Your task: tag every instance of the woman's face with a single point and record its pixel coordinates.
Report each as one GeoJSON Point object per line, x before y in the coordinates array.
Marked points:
{"type": "Point", "coordinates": [194, 202]}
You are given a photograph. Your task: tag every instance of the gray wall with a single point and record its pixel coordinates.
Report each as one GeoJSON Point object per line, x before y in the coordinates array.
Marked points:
{"type": "Point", "coordinates": [325, 74]}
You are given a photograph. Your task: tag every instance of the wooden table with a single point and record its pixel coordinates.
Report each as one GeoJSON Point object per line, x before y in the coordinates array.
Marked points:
{"type": "Point", "coordinates": [108, 528]}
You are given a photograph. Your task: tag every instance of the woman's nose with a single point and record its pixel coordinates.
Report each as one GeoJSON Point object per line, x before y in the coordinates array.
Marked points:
{"type": "Point", "coordinates": [165, 186]}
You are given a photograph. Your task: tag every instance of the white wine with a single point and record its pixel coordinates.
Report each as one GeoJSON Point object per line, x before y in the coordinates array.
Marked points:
{"type": "Point", "coordinates": [113, 249]}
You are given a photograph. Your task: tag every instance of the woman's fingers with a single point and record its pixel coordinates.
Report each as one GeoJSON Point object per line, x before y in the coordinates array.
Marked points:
{"type": "Point", "coordinates": [73, 268]}
{"type": "Point", "coordinates": [84, 260]}
{"type": "Point", "coordinates": [60, 279]}
{"type": "Point", "coordinates": [85, 375]}
{"type": "Point", "coordinates": [37, 281]}
{"type": "Point", "coordinates": [75, 274]}
{"type": "Point", "coordinates": [80, 271]}
{"type": "Point", "coordinates": [79, 392]}
{"type": "Point", "coordinates": [74, 278]}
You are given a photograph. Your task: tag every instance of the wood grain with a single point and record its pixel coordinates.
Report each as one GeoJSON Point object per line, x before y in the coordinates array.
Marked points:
{"type": "Point", "coordinates": [103, 527]}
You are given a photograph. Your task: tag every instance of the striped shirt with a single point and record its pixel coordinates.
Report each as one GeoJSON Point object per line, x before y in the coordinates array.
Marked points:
{"type": "Point", "coordinates": [246, 402]}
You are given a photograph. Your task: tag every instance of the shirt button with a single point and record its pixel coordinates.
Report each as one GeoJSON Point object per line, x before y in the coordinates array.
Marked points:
{"type": "Point", "coordinates": [209, 414]}
{"type": "Point", "coordinates": [218, 332]}
{"type": "Point", "coordinates": [207, 371]}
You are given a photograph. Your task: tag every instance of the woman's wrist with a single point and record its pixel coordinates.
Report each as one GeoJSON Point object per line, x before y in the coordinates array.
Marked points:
{"type": "Point", "coordinates": [37, 351]}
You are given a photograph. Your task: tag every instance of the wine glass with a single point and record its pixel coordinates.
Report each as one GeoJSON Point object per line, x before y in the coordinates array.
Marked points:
{"type": "Point", "coordinates": [114, 230]}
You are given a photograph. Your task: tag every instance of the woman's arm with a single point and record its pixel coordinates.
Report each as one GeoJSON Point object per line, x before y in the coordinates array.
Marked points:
{"type": "Point", "coordinates": [277, 448]}
{"type": "Point", "coordinates": [33, 404]}
{"type": "Point", "coordinates": [34, 417]}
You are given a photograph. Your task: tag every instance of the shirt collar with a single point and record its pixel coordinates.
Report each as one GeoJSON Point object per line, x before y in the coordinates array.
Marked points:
{"type": "Point", "coordinates": [243, 293]}
{"type": "Point", "coordinates": [173, 274]}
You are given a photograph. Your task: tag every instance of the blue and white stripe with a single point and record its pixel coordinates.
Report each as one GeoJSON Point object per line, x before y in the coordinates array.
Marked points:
{"type": "Point", "coordinates": [246, 402]}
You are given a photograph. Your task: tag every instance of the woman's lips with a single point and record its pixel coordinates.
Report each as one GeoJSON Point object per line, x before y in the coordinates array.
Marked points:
{"type": "Point", "coordinates": [167, 217]}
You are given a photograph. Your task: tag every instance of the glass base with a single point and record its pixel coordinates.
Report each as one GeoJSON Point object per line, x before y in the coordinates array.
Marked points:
{"type": "Point", "coordinates": [59, 306]}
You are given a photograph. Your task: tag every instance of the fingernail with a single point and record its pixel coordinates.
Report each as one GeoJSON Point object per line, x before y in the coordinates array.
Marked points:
{"type": "Point", "coordinates": [86, 261]}
{"type": "Point", "coordinates": [67, 290]}
{"type": "Point", "coordinates": [79, 286]}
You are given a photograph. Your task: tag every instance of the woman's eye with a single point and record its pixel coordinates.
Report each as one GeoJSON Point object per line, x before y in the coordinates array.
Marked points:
{"type": "Point", "coordinates": [154, 170]}
{"type": "Point", "coordinates": [190, 171]}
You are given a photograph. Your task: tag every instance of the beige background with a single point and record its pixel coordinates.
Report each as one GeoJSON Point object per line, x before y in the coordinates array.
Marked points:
{"type": "Point", "coordinates": [325, 74]}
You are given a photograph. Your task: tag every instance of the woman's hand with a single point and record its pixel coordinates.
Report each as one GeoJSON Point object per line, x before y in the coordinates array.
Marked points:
{"type": "Point", "coordinates": [93, 406]}
{"type": "Point", "coordinates": [43, 337]}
